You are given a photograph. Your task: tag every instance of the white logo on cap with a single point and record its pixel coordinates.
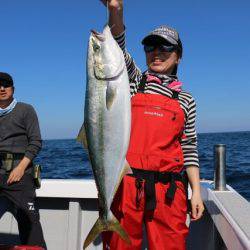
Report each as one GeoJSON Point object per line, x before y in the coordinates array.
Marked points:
{"type": "Point", "coordinates": [162, 30]}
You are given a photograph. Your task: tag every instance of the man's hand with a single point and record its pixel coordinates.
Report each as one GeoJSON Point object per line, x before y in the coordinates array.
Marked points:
{"type": "Point", "coordinates": [16, 174]}
{"type": "Point", "coordinates": [197, 206]}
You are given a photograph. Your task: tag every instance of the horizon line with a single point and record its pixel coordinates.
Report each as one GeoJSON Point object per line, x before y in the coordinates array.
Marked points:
{"type": "Point", "coordinates": [217, 132]}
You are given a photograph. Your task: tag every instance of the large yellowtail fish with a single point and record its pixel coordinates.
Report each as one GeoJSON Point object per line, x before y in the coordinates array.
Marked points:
{"type": "Point", "coordinates": [106, 128]}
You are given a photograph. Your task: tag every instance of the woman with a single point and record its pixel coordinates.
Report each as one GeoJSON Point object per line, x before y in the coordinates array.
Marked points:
{"type": "Point", "coordinates": [163, 145]}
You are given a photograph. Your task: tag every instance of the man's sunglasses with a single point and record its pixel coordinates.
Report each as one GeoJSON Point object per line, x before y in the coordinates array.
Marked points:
{"type": "Point", "coordinates": [161, 47]}
{"type": "Point", "coordinates": [5, 84]}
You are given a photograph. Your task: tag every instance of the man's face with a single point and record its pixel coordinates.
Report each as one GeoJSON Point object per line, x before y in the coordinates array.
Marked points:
{"type": "Point", "coordinates": [6, 93]}
{"type": "Point", "coordinates": [160, 60]}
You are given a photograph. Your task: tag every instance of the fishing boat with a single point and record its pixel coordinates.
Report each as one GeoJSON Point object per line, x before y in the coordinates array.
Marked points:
{"type": "Point", "coordinates": [68, 210]}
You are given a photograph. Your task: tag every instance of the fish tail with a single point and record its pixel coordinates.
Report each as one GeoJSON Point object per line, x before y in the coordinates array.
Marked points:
{"type": "Point", "coordinates": [101, 226]}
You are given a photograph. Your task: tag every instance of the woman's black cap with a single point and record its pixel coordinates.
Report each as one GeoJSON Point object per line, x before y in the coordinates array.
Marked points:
{"type": "Point", "coordinates": [6, 80]}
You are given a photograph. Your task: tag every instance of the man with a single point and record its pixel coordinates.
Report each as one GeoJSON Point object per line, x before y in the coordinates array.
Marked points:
{"type": "Point", "coordinates": [20, 142]}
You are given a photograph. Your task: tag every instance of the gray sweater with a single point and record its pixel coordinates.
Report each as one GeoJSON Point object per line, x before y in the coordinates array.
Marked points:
{"type": "Point", "coordinates": [20, 132]}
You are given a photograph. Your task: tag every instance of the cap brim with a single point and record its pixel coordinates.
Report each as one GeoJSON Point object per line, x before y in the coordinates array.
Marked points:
{"type": "Point", "coordinates": [158, 38]}
{"type": "Point", "coordinates": [5, 77]}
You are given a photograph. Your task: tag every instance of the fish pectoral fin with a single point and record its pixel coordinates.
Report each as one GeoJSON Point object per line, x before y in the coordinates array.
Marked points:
{"type": "Point", "coordinates": [101, 226]}
{"type": "Point", "coordinates": [110, 96]}
{"type": "Point", "coordinates": [127, 168]}
{"type": "Point", "coordinates": [82, 136]}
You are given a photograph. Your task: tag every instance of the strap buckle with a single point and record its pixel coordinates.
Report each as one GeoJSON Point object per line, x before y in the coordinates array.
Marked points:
{"type": "Point", "coordinates": [7, 162]}
{"type": "Point", "coordinates": [37, 175]}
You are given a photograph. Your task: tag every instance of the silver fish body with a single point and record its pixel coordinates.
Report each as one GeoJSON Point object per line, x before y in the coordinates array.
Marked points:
{"type": "Point", "coordinates": [107, 124]}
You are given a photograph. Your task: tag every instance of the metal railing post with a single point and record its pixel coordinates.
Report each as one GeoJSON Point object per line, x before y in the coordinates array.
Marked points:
{"type": "Point", "coordinates": [220, 167]}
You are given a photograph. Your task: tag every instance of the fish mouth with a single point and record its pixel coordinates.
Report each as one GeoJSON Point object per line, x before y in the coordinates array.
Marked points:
{"type": "Point", "coordinates": [98, 35]}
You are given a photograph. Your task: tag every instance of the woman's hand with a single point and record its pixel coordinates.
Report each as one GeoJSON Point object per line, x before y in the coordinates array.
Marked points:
{"type": "Point", "coordinates": [115, 15]}
{"type": "Point", "coordinates": [113, 4]}
{"type": "Point", "coordinates": [196, 206]}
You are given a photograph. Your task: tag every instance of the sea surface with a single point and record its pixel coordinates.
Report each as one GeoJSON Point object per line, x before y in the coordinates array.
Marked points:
{"type": "Point", "coordinates": [66, 159]}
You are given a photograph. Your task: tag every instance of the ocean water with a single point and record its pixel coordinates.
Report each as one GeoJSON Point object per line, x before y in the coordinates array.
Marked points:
{"type": "Point", "coordinates": [66, 159]}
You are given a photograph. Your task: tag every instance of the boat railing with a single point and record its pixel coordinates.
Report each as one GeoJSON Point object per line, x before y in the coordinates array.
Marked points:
{"type": "Point", "coordinates": [69, 209]}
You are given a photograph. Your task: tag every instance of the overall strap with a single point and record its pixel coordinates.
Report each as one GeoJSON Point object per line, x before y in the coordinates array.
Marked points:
{"type": "Point", "coordinates": [175, 94]}
{"type": "Point", "coordinates": [142, 84]}
{"type": "Point", "coordinates": [152, 177]}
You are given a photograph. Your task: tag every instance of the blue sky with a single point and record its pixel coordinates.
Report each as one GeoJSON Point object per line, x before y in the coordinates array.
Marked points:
{"type": "Point", "coordinates": [43, 45]}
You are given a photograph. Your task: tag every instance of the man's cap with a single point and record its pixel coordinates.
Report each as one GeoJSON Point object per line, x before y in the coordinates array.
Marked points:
{"type": "Point", "coordinates": [6, 79]}
{"type": "Point", "coordinates": [164, 33]}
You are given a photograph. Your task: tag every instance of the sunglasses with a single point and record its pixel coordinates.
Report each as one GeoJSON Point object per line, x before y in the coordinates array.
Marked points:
{"type": "Point", "coordinates": [161, 47]}
{"type": "Point", "coordinates": [5, 84]}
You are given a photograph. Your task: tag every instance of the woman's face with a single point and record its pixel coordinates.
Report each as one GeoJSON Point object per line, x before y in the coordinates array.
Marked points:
{"type": "Point", "coordinates": [162, 62]}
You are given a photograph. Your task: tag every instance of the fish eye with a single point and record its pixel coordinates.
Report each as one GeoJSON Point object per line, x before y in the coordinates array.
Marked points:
{"type": "Point", "coordinates": [96, 47]}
